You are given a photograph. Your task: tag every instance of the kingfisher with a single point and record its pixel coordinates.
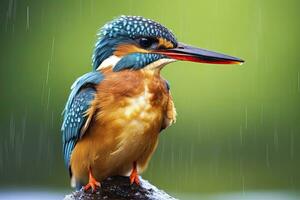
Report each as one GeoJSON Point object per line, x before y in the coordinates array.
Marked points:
{"type": "Point", "coordinates": [115, 112]}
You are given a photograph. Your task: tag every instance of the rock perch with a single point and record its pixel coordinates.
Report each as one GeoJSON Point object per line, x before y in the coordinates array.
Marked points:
{"type": "Point", "coordinates": [119, 188]}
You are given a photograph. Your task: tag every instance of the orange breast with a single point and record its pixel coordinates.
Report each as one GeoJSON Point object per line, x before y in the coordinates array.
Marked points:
{"type": "Point", "coordinates": [130, 110]}
{"type": "Point", "coordinates": [131, 94]}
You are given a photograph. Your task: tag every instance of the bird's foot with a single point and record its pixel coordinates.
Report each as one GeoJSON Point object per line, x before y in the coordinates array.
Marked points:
{"type": "Point", "coordinates": [93, 183]}
{"type": "Point", "coordinates": [134, 177]}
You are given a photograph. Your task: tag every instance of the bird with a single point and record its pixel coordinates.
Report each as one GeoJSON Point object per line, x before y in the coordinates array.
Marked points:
{"type": "Point", "coordinates": [115, 113]}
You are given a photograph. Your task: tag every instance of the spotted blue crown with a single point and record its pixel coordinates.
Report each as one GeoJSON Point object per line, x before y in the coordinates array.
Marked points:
{"type": "Point", "coordinates": [125, 29]}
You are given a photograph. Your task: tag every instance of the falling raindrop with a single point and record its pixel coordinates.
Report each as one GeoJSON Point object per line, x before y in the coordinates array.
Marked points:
{"type": "Point", "coordinates": [52, 119]}
{"type": "Point", "coordinates": [292, 145]}
{"type": "Point", "coordinates": [298, 81]}
{"type": "Point", "coordinates": [262, 114]}
{"type": "Point", "coordinates": [12, 130]}
{"type": "Point", "coordinates": [276, 139]}
{"type": "Point", "coordinates": [246, 117]}
{"type": "Point", "coordinates": [192, 157]}
{"type": "Point", "coordinates": [27, 18]}
{"type": "Point", "coordinates": [267, 156]}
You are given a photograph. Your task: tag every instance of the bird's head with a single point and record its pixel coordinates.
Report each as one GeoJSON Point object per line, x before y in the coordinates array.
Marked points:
{"type": "Point", "coordinates": [133, 42]}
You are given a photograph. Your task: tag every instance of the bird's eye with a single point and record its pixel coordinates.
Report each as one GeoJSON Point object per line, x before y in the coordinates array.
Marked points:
{"type": "Point", "coordinates": [147, 42]}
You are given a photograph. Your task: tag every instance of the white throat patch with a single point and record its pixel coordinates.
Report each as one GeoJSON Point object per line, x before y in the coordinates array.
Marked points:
{"type": "Point", "coordinates": [159, 63]}
{"type": "Point", "coordinates": [109, 62]}
{"type": "Point", "coordinates": [113, 60]}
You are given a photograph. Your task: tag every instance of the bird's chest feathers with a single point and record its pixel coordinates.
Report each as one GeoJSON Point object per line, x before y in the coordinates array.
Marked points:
{"type": "Point", "coordinates": [138, 102]}
{"type": "Point", "coordinates": [139, 107]}
{"type": "Point", "coordinates": [142, 112]}
{"type": "Point", "coordinates": [132, 105]}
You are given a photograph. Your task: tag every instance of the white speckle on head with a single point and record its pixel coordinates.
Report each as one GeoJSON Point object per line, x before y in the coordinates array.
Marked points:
{"type": "Point", "coordinates": [109, 62]}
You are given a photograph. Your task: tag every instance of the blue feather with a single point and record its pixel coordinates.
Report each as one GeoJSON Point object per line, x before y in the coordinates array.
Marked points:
{"type": "Point", "coordinates": [125, 29]}
{"type": "Point", "coordinates": [88, 78]}
{"type": "Point", "coordinates": [105, 48]}
{"type": "Point", "coordinates": [79, 101]}
{"type": "Point", "coordinates": [136, 61]}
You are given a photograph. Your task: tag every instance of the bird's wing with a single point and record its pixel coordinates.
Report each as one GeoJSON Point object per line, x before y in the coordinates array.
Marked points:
{"type": "Point", "coordinates": [170, 115]}
{"type": "Point", "coordinates": [78, 111]}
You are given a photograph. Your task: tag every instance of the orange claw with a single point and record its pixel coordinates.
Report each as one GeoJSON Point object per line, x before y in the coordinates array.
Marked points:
{"type": "Point", "coordinates": [134, 177]}
{"type": "Point", "coordinates": [93, 183]}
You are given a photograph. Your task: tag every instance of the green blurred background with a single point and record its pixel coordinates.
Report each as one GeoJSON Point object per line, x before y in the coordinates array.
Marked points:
{"type": "Point", "coordinates": [238, 126]}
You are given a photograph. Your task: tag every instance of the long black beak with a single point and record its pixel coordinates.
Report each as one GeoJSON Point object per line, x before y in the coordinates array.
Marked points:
{"type": "Point", "coordinates": [194, 54]}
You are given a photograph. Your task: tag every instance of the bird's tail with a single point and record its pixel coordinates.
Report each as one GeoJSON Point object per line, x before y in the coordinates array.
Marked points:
{"type": "Point", "coordinates": [73, 182]}
{"type": "Point", "coordinates": [76, 184]}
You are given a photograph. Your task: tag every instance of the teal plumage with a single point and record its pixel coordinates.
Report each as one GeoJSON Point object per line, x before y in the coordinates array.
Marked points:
{"type": "Point", "coordinates": [128, 29]}
{"type": "Point", "coordinates": [82, 93]}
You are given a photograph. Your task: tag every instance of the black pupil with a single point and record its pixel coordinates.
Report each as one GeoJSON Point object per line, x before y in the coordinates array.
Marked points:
{"type": "Point", "coordinates": [146, 42]}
